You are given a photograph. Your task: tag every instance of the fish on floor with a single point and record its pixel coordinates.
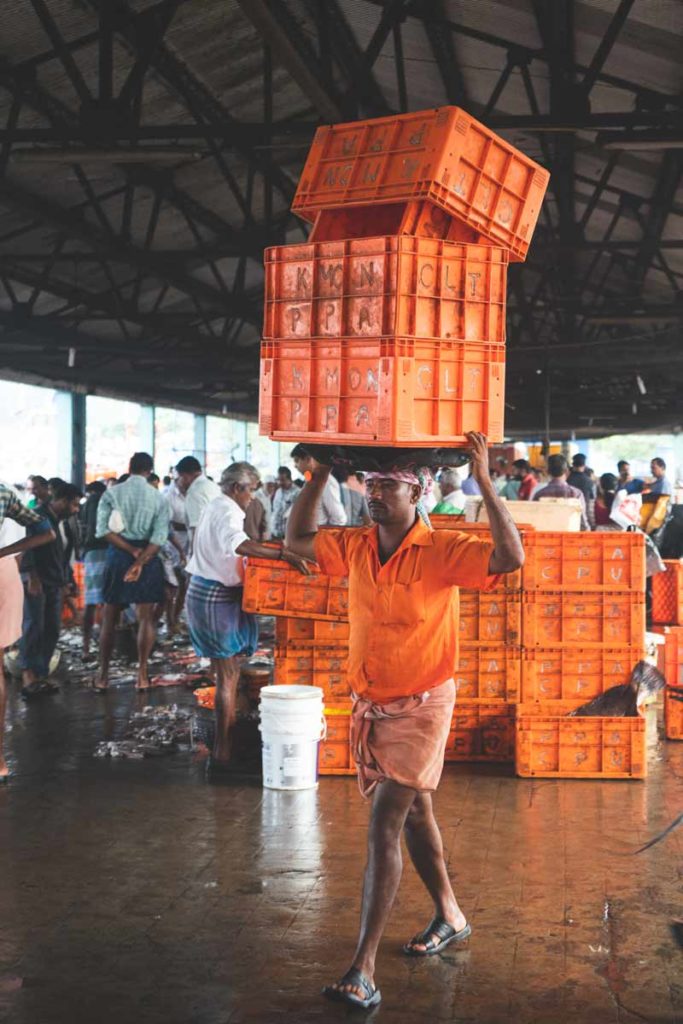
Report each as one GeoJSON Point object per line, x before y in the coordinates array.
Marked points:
{"type": "Point", "coordinates": [625, 701]}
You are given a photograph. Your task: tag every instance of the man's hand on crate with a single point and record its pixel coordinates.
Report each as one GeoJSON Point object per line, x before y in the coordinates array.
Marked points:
{"type": "Point", "coordinates": [302, 565]}
{"type": "Point", "coordinates": [480, 457]}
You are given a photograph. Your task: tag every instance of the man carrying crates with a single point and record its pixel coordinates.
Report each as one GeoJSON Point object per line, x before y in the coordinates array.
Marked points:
{"type": "Point", "coordinates": [403, 614]}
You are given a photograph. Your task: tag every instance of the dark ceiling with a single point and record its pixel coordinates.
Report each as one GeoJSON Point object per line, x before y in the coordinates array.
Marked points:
{"type": "Point", "coordinates": [140, 273]}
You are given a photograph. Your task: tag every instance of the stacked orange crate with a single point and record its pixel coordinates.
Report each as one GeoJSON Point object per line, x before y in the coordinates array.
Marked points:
{"type": "Point", "coordinates": [583, 630]}
{"type": "Point", "coordinates": [311, 644]}
{"type": "Point", "coordinates": [667, 612]}
{"type": "Point", "coordinates": [488, 674]}
{"type": "Point", "coordinates": [388, 327]}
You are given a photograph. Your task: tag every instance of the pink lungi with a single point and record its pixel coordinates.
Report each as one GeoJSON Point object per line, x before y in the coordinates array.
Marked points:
{"type": "Point", "coordinates": [11, 601]}
{"type": "Point", "coordinates": [404, 740]}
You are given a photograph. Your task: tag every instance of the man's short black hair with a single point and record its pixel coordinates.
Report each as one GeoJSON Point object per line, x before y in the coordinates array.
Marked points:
{"type": "Point", "coordinates": [55, 481]}
{"type": "Point", "coordinates": [95, 487]}
{"type": "Point", "coordinates": [167, 481]}
{"type": "Point", "coordinates": [557, 466]}
{"type": "Point", "coordinates": [66, 492]}
{"type": "Point", "coordinates": [578, 460]}
{"type": "Point", "coordinates": [189, 465]}
{"type": "Point", "coordinates": [153, 478]}
{"type": "Point", "coordinates": [141, 462]}
{"type": "Point", "coordinates": [522, 464]}
{"type": "Point", "coordinates": [35, 478]}
{"type": "Point", "coordinates": [122, 479]}
{"type": "Point", "coordinates": [340, 474]}
{"type": "Point", "coordinates": [285, 471]}
{"type": "Point", "coordinates": [299, 452]}
{"type": "Point", "coordinates": [621, 463]}
{"type": "Point", "coordinates": [659, 462]}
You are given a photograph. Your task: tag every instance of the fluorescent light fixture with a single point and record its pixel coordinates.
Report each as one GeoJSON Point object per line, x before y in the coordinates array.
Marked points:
{"type": "Point", "coordinates": [641, 385]}
{"type": "Point", "coordinates": [644, 140]}
{"type": "Point", "coordinates": [115, 155]}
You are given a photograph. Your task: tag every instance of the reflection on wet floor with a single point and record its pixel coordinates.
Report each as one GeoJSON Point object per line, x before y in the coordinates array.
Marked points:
{"type": "Point", "coordinates": [134, 890]}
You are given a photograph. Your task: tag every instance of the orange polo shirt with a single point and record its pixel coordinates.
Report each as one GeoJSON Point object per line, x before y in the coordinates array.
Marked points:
{"type": "Point", "coordinates": [404, 615]}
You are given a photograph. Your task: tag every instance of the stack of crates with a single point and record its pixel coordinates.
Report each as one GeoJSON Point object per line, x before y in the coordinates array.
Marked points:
{"type": "Point", "coordinates": [583, 631]}
{"type": "Point", "coordinates": [388, 327]}
{"type": "Point", "coordinates": [547, 639]}
{"type": "Point", "coordinates": [311, 644]}
{"type": "Point", "coordinates": [667, 615]}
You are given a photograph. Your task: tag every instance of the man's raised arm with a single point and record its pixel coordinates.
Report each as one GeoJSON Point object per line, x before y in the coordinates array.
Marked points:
{"type": "Point", "coordinates": [508, 553]}
{"type": "Point", "coordinates": [302, 525]}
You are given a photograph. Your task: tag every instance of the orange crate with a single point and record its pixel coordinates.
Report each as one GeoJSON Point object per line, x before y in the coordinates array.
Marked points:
{"type": "Point", "coordinates": [671, 667]}
{"type": "Point", "coordinates": [205, 697]}
{"type": "Point", "coordinates": [509, 581]}
{"type": "Point", "coordinates": [325, 667]}
{"type": "Point", "coordinates": [488, 673]}
{"type": "Point", "coordinates": [273, 588]}
{"type": "Point", "coordinates": [550, 745]}
{"type": "Point", "coordinates": [391, 285]}
{"type": "Point", "coordinates": [334, 752]}
{"type": "Point", "coordinates": [381, 391]}
{"type": "Point", "coordinates": [310, 632]}
{"type": "Point", "coordinates": [667, 593]}
{"type": "Point", "coordinates": [481, 732]}
{"type": "Point", "coordinates": [673, 716]}
{"type": "Point", "coordinates": [421, 219]}
{"type": "Point", "coordinates": [442, 155]}
{"type": "Point", "coordinates": [598, 617]}
{"type": "Point", "coordinates": [569, 673]}
{"type": "Point", "coordinates": [584, 561]}
{"type": "Point", "coordinates": [494, 618]}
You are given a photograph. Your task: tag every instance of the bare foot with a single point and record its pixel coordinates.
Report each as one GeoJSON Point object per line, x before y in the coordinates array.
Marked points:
{"type": "Point", "coordinates": [4, 769]}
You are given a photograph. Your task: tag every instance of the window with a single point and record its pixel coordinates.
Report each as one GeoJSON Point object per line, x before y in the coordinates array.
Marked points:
{"type": "Point", "coordinates": [114, 431]}
{"type": "Point", "coordinates": [173, 438]}
{"type": "Point", "coordinates": [30, 422]}
{"type": "Point", "coordinates": [224, 444]}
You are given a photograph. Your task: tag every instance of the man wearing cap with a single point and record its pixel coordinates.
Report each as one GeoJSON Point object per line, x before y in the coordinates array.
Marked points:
{"type": "Point", "coordinates": [403, 650]}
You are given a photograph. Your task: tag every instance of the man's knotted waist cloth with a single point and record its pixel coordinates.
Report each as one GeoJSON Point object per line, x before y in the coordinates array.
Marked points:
{"type": "Point", "coordinates": [403, 740]}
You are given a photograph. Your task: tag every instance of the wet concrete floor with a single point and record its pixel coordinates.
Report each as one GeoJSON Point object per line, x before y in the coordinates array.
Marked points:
{"type": "Point", "coordinates": [135, 891]}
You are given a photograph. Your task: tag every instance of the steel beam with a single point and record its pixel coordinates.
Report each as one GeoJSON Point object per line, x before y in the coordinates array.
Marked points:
{"type": "Point", "coordinates": [75, 226]}
{"type": "Point", "coordinates": [440, 38]}
{"type": "Point", "coordinates": [280, 30]}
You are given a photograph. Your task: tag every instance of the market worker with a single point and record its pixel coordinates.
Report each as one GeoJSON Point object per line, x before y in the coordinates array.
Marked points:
{"type": "Point", "coordinates": [219, 629]}
{"type": "Point", "coordinates": [403, 614]}
{"type": "Point", "coordinates": [134, 520]}
{"type": "Point", "coordinates": [11, 589]}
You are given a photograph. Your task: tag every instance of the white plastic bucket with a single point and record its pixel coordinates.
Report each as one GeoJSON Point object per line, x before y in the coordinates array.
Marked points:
{"type": "Point", "coordinates": [292, 724]}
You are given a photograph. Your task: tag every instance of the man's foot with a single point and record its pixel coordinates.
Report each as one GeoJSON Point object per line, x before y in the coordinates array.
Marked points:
{"type": "Point", "coordinates": [30, 690]}
{"type": "Point", "coordinates": [143, 684]}
{"type": "Point", "coordinates": [4, 771]}
{"type": "Point", "coordinates": [50, 686]}
{"type": "Point", "coordinates": [355, 988]}
{"type": "Point", "coordinates": [437, 935]}
{"type": "Point", "coordinates": [100, 685]}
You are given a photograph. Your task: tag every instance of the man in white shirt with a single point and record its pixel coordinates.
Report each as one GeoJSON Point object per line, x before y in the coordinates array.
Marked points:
{"type": "Point", "coordinates": [198, 491]}
{"type": "Point", "coordinates": [331, 511]}
{"type": "Point", "coordinates": [219, 628]}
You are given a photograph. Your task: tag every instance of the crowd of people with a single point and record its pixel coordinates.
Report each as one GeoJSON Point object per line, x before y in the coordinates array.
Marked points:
{"type": "Point", "coordinates": [157, 549]}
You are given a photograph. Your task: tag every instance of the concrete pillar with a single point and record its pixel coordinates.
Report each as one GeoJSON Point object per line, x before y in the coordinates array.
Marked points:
{"type": "Point", "coordinates": [77, 446]}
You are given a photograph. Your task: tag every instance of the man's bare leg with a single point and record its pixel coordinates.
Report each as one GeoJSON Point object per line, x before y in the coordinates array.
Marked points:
{"type": "Point", "coordinates": [425, 847]}
{"type": "Point", "coordinates": [110, 613]}
{"type": "Point", "coordinates": [390, 806]}
{"type": "Point", "coordinates": [227, 673]}
{"type": "Point", "coordinates": [88, 623]}
{"type": "Point", "coordinates": [4, 770]}
{"type": "Point", "coordinates": [147, 632]}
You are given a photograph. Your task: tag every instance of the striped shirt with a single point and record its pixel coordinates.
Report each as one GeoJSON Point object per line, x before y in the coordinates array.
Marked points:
{"type": "Point", "coordinates": [144, 510]}
{"type": "Point", "coordinates": [12, 508]}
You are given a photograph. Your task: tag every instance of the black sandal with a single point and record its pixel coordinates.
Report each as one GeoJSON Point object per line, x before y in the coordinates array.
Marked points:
{"type": "Point", "coordinates": [353, 977]}
{"type": "Point", "coordinates": [444, 932]}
